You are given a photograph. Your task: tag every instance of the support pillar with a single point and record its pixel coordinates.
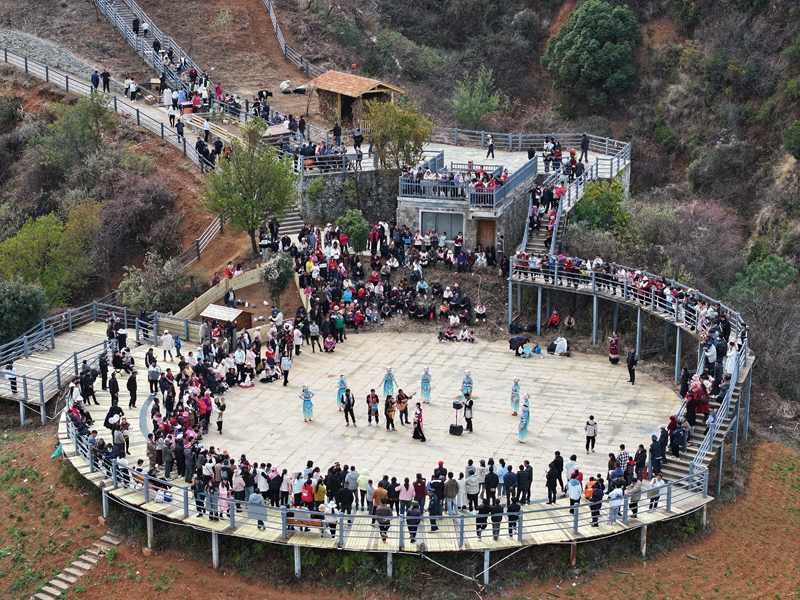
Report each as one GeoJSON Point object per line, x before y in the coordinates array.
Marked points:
{"type": "Point", "coordinates": [22, 414]}
{"type": "Point", "coordinates": [389, 565]}
{"type": "Point", "coordinates": [297, 562]}
{"type": "Point", "coordinates": [519, 297]}
{"type": "Point", "coordinates": [549, 312]}
{"type": "Point", "coordinates": [678, 353]}
{"type": "Point", "coordinates": [639, 317]}
{"type": "Point", "coordinates": [150, 533]}
{"type": "Point", "coordinates": [643, 541]}
{"type": "Point", "coordinates": [105, 504]}
{"type": "Point", "coordinates": [486, 567]}
{"type": "Point", "coordinates": [666, 338]}
{"type": "Point", "coordinates": [720, 456]}
{"type": "Point", "coordinates": [704, 517]}
{"type": "Point", "coordinates": [746, 387]}
{"type": "Point", "coordinates": [735, 426]}
{"type": "Point", "coordinates": [594, 319]}
{"type": "Point", "coordinates": [539, 311]}
{"type": "Point", "coordinates": [510, 304]}
{"type": "Point", "coordinates": [616, 316]}
{"type": "Point", "coordinates": [573, 554]}
{"type": "Point", "coordinates": [215, 549]}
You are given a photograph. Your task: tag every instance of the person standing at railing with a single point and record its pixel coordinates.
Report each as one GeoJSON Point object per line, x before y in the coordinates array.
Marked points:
{"type": "Point", "coordinates": [134, 88]}
{"type": "Point", "coordinates": [584, 149]}
{"type": "Point", "coordinates": [489, 146]}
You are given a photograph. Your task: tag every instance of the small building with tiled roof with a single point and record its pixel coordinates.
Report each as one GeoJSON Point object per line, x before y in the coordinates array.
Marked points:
{"type": "Point", "coordinates": [342, 96]}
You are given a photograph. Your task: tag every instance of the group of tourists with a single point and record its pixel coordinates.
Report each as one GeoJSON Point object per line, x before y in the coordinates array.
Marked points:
{"type": "Point", "coordinates": [475, 180]}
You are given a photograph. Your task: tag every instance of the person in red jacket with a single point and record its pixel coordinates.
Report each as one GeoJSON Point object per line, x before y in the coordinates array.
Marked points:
{"type": "Point", "coordinates": [554, 321]}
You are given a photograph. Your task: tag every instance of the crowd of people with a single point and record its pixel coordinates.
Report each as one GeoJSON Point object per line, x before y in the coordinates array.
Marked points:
{"type": "Point", "coordinates": [475, 180]}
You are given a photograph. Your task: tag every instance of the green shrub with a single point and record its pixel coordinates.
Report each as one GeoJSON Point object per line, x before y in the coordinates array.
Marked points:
{"type": "Point", "coordinates": [791, 139]}
{"type": "Point", "coordinates": [475, 98]}
{"type": "Point", "coordinates": [767, 112]}
{"type": "Point", "coordinates": [601, 207]}
{"type": "Point", "coordinates": [22, 305]}
{"type": "Point", "coordinates": [792, 90]}
{"type": "Point", "coordinates": [665, 136]}
{"type": "Point", "coordinates": [591, 56]}
{"type": "Point", "coordinates": [356, 228]}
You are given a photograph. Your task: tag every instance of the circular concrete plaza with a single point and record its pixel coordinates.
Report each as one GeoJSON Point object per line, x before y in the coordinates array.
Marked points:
{"type": "Point", "coordinates": [266, 422]}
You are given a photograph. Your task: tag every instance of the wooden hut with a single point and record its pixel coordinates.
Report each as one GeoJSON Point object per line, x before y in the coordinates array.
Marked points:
{"type": "Point", "coordinates": [342, 96]}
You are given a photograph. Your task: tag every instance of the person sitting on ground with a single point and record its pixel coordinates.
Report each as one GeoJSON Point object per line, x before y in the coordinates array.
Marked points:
{"type": "Point", "coordinates": [330, 343]}
{"type": "Point", "coordinates": [554, 321]}
{"type": "Point", "coordinates": [480, 312]}
{"type": "Point", "coordinates": [569, 322]}
{"type": "Point", "coordinates": [464, 335]}
{"type": "Point", "coordinates": [448, 335]}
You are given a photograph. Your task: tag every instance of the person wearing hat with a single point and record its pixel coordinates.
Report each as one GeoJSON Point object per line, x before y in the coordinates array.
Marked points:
{"type": "Point", "coordinates": [308, 406]}
{"type": "Point", "coordinates": [466, 384]}
{"type": "Point", "coordinates": [388, 382]}
{"type": "Point", "coordinates": [524, 418]}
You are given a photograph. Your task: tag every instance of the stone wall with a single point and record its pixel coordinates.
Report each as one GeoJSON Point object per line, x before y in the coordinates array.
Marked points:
{"type": "Point", "coordinates": [50, 55]}
{"type": "Point", "coordinates": [514, 219]}
{"type": "Point", "coordinates": [371, 192]}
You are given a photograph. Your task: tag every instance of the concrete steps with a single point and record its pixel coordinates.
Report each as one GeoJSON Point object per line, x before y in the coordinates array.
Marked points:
{"type": "Point", "coordinates": [90, 558]}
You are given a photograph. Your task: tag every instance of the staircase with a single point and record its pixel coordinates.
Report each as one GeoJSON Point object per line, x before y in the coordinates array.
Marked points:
{"type": "Point", "coordinates": [292, 223]}
{"type": "Point", "coordinates": [676, 469]}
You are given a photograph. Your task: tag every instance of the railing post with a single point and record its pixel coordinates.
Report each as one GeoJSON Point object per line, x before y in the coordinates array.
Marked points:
{"type": "Point", "coordinates": [519, 527]}
{"type": "Point", "coordinates": [52, 337]}
{"type": "Point", "coordinates": [669, 497]}
{"type": "Point", "coordinates": [625, 502]}
{"type": "Point", "coordinates": [58, 375]}
{"type": "Point", "coordinates": [75, 362]}
{"type": "Point", "coordinates": [41, 401]}
{"type": "Point", "coordinates": [184, 144]}
{"type": "Point", "coordinates": [47, 74]}
{"type": "Point", "coordinates": [25, 349]}
{"type": "Point", "coordinates": [66, 80]}
{"type": "Point", "coordinates": [114, 474]}
{"type": "Point", "coordinates": [185, 503]}
{"type": "Point", "coordinates": [138, 118]}
{"type": "Point", "coordinates": [94, 311]}
{"type": "Point", "coordinates": [232, 513]}
{"type": "Point", "coordinates": [575, 519]}
{"type": "Point", "coordinates": [461, 532]}
{"type": "Point", "coordinates": [146, 489]}
{"type": "Point", "coordinates": [155, 329]}
{"type": "Point", "coordinates": [26, 64]}
{"type": "Point", "coordinates": [186, 329]}
{"type": "Point", "coordinates": [283, 524]}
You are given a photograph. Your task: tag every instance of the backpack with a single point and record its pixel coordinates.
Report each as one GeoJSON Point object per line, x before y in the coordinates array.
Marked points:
{"type": "Point", "coordinates": [589, 490]}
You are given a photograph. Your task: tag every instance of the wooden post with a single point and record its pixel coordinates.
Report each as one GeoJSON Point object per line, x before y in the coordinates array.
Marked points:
{"type": "Point", "coordinates": [573, 554]}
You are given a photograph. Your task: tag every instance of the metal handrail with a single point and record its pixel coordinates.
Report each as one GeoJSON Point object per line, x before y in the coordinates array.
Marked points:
{"type": "Point", "coordinates": [570, 520]}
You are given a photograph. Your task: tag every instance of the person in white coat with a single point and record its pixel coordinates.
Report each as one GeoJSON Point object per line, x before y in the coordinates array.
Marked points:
{"type": "Point", "coordinates": [167, 345]}
{"type": "Point", "coordinates": [615, 496]}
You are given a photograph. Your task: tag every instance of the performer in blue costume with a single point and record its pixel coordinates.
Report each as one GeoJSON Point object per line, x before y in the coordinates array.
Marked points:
{"type": "Point", "coordinates": [388, 382]}
{"type": "Point", "coordinates": [425, 395]}
{"type": "Point", "coordinates": [308, 406]}
{"type": "Point", "coordinates": [340, 394]}
{"type": "Point", "coordinates": [515, 397]}
{"type": "Point", "coordinates": [523, 420]}
{"type": "Point", "coordinates": [466, 385]}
